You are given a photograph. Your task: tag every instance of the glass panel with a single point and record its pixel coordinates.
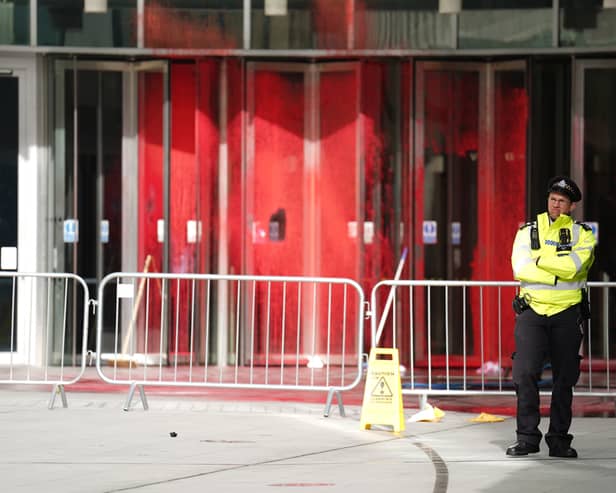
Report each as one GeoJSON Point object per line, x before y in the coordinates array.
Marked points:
{"type": "Point", "coordinates": [505, 24]}
{"type": "Point", "coordinates": [303, 203]}
{"type": "Point", "coordinates": [193, 24]}
{"type": "Point", "coordinates": [150, 203]}
{"type": "Point", "coordinates": [65, 23]}
{"type": "Point", "coordinates": [337, 181]}
{"type": "Point", "coordinates": [337, 196]}
{"type": "Point", "coordinates": [308, 24]}
{"type": "Point", "coordinates": [278, 219]}
{"type": "Point", "coordinates": [450, 173]}
{"type": "Point", "coordinates": [510, 131]}
{"type": "Point", "coordinates": [9, 152]}
{"type": "Point", "coordinates": [473, 198]}
{"type": "Point", "coordinates": [600, 196]}
{"type": "Point", "coordinates": [450, 197]}
{"type": "Point", "coordinates": [587, 23]}
{"type": "Point", "coordinates": [278, 173]}
{"type": "Point", "coordinates": [550, 126]}
{"type": "Point", "coordinates": [384, 110]}
{"type": "Point", "coordinates": [383, 24]}
{"type": "Point", "coordinates": [15, 22]}
{"type": "Point", "coordinates": [93, 184]}
{"type": "Point", "coordinates": [505, 208]}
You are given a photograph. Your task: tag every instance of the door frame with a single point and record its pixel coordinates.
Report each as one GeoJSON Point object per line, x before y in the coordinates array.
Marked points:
{"type": "Point", "coordinates": [578, 121]}
{"type": "Point", "coordinates": [578, 76]}
{"type": "Point", "coordinates": [311, 71]}
{"type": "Point", "coordinates": [130, 162]}
{"type": "Point", "coordinates": [31, 189]}
{"type": "Point", "coordinates": [486, 150]}
{"type": "Point", "coordinates": [311, 166]}
{"type": "Point", "coordinates": [130, 145]}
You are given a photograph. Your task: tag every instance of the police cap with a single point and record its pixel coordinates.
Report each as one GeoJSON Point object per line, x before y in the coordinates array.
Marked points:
{"type": "Point", "coordinates": [565, 186]}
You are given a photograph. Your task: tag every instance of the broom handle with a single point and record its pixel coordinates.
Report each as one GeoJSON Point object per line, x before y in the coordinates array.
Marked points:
{"type": "Point", "coordinates": [133, 319]}
{"type": "Point", "coordinates": [390, 298]}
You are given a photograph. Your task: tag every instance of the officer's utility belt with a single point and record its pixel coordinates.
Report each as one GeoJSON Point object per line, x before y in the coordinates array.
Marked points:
{"type": "Point", "coordinates": [521, 303]}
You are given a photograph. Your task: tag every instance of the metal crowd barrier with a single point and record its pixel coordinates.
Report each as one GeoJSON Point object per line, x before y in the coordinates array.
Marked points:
{"type": "Point", "coordinates": [49, 308]}
{"type": "Point", "coordinates": [456, 337]}
{"type": "Point", "coordinates": [230, 331]}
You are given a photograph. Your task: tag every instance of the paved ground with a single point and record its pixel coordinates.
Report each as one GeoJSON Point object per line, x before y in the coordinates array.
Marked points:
{"type": "Point", "coordinates": [260, 446]}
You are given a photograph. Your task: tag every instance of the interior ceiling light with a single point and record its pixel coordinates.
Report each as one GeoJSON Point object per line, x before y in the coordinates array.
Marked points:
{"type": "Point", "coordinates": [275, 7]}
{"type": "Point", "coordinates": [95, 6]}
{"type": "Point", "coordinates": [449, 6]}
{"type": "Point", "coordinates": [609, 4]}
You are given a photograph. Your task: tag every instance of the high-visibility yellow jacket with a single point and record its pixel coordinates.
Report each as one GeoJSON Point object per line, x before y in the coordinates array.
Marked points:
{"type": "Point", "coordinates": [552, 280]}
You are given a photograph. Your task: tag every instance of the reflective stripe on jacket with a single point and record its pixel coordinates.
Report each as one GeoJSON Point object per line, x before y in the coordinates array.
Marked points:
{"type": "Point", "coordinates": [552, 280]}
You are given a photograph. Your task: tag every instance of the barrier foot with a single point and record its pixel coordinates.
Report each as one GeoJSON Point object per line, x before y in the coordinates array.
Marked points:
{"type": "Point", "coordinates": [131, 393]}
{"type": "Point", "coordinates": [423, 401]}
{"type": "Point", "coordinates": [57, 389]}
{"type": "Point", "coordinates": [328, 403]}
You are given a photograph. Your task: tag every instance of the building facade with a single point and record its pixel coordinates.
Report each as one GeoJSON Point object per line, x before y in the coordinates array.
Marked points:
{"type": "Point", "coordinates": [299, 137]}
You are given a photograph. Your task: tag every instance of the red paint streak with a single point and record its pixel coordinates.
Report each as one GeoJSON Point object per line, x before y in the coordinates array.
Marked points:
{"type": "Point", "coordinates": [235, 118]}
{"type": "Point", "coordinates": [183, 199]}
{"type": "Point", "coordinates": [208, 141]}
{"type": "Point", "coordinates": [378, 257]}
{"type": "Point", "coordinates": [277, 183]}
{"type": "Point", "coordinates": [493, 191]}
{"type": "Point", "coordinates": [150, 191]}
{"type": "Point", "coordinates": [165, 26]}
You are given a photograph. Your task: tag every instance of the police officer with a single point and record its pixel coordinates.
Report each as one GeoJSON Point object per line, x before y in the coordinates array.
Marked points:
{"type": "Point", "coordinates": [551, 257]}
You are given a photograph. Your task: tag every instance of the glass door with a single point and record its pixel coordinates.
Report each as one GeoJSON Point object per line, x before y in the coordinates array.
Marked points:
{"type": "Point", "coordinates": [96, 170]}
{"type": "Point", "coordinates": [9, 157]}
{"type": "Point", "coordinates": [302, 187]}
{"type": "Point", "coordinates": [594, 152]}
{"type": "Point", "coordinates": [470, 162]}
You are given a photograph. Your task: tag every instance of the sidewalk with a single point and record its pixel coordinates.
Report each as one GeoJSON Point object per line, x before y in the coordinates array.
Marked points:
{"type": "Point", "coordinates": [264, 446]}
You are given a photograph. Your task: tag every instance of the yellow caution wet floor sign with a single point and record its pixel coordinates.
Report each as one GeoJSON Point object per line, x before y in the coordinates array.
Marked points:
{"type": "Point", "coordinates": [382, 403]}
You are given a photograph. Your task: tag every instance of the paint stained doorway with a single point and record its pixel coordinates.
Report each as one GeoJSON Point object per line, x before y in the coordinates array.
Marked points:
{"type": "Point", "coordinates": [302, 194]}
{"type": "Point", "coordinates": [470, 195]}
{"type": "Point", "coordinates": [95, 125]}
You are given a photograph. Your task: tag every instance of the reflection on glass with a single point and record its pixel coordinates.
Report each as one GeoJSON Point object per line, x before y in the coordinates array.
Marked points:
{"type": "Point", "coordinates": [600, 198]}
{"type": "Point", "coordinates": [587, 23]}
{"type": "Point", "coordinates": [308, 24]}
{"type": "Point", "coordinates": [450, 195]}
{"type": "Point", "coordinates": [505, 23]}
{"type": "Point", "coordinates": [450, 174]}
{"type": "Point", "coordinates": [600, 172]}
{"type": "Point", "coordinates": [64, 23]}
{"type": "Point", "coordinates": [9, 149]}
{"type": "Point", "coordinates": [399, 24]}
{"type": "Point", "coordinates": [14, 22]}
{"type": "Point", "coordinates": [193, 23]}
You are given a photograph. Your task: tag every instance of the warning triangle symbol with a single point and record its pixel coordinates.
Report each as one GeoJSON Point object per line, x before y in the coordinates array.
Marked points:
{"type": "Point", "coordinates": [381, 389]}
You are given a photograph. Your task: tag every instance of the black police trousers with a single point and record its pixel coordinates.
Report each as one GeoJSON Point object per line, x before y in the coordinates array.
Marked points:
{"type": "Point", "coordinates": [538, 339]}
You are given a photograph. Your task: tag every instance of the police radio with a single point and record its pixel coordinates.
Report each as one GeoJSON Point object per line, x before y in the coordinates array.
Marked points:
{"type": "Point", "coordinates": [534, 238]}
{"type": "Point", "coordinates": [565, 240]}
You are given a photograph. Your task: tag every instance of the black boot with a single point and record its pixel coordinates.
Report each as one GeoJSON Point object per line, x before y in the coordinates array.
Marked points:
{"type": "Point", "coordinates": [521, 448]}
{"type": "Point", "coordinates": [560, 446]}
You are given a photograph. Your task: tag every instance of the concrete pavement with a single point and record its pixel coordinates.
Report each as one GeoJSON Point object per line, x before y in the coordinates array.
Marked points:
{"type": "Point", "coordinates": [231, 446]}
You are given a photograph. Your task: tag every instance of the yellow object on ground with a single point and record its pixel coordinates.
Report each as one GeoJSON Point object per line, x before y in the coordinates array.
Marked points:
{"type": "Point", "coordinates": [382, 404]}
{"type": "Point", "coordinates": [487, 418]}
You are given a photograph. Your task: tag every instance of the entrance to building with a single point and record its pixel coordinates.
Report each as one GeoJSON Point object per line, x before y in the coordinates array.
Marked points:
{"type": "Point", "coordinates": [469, 198]}
{"type": "Point", "coordinates": [593, 154]}
{"type": "Point", "coordinates": [303, 192]}
{"type": "Point", "coordinates": [96, 132]}
{"type": "Point", "coordinates": [9, 155]}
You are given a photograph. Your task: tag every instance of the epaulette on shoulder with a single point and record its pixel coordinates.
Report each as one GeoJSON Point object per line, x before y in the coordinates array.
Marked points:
{"type": "Point", "coordinates": [528, 224]}
{"type": "Point", "coordinates": [584, 225]}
